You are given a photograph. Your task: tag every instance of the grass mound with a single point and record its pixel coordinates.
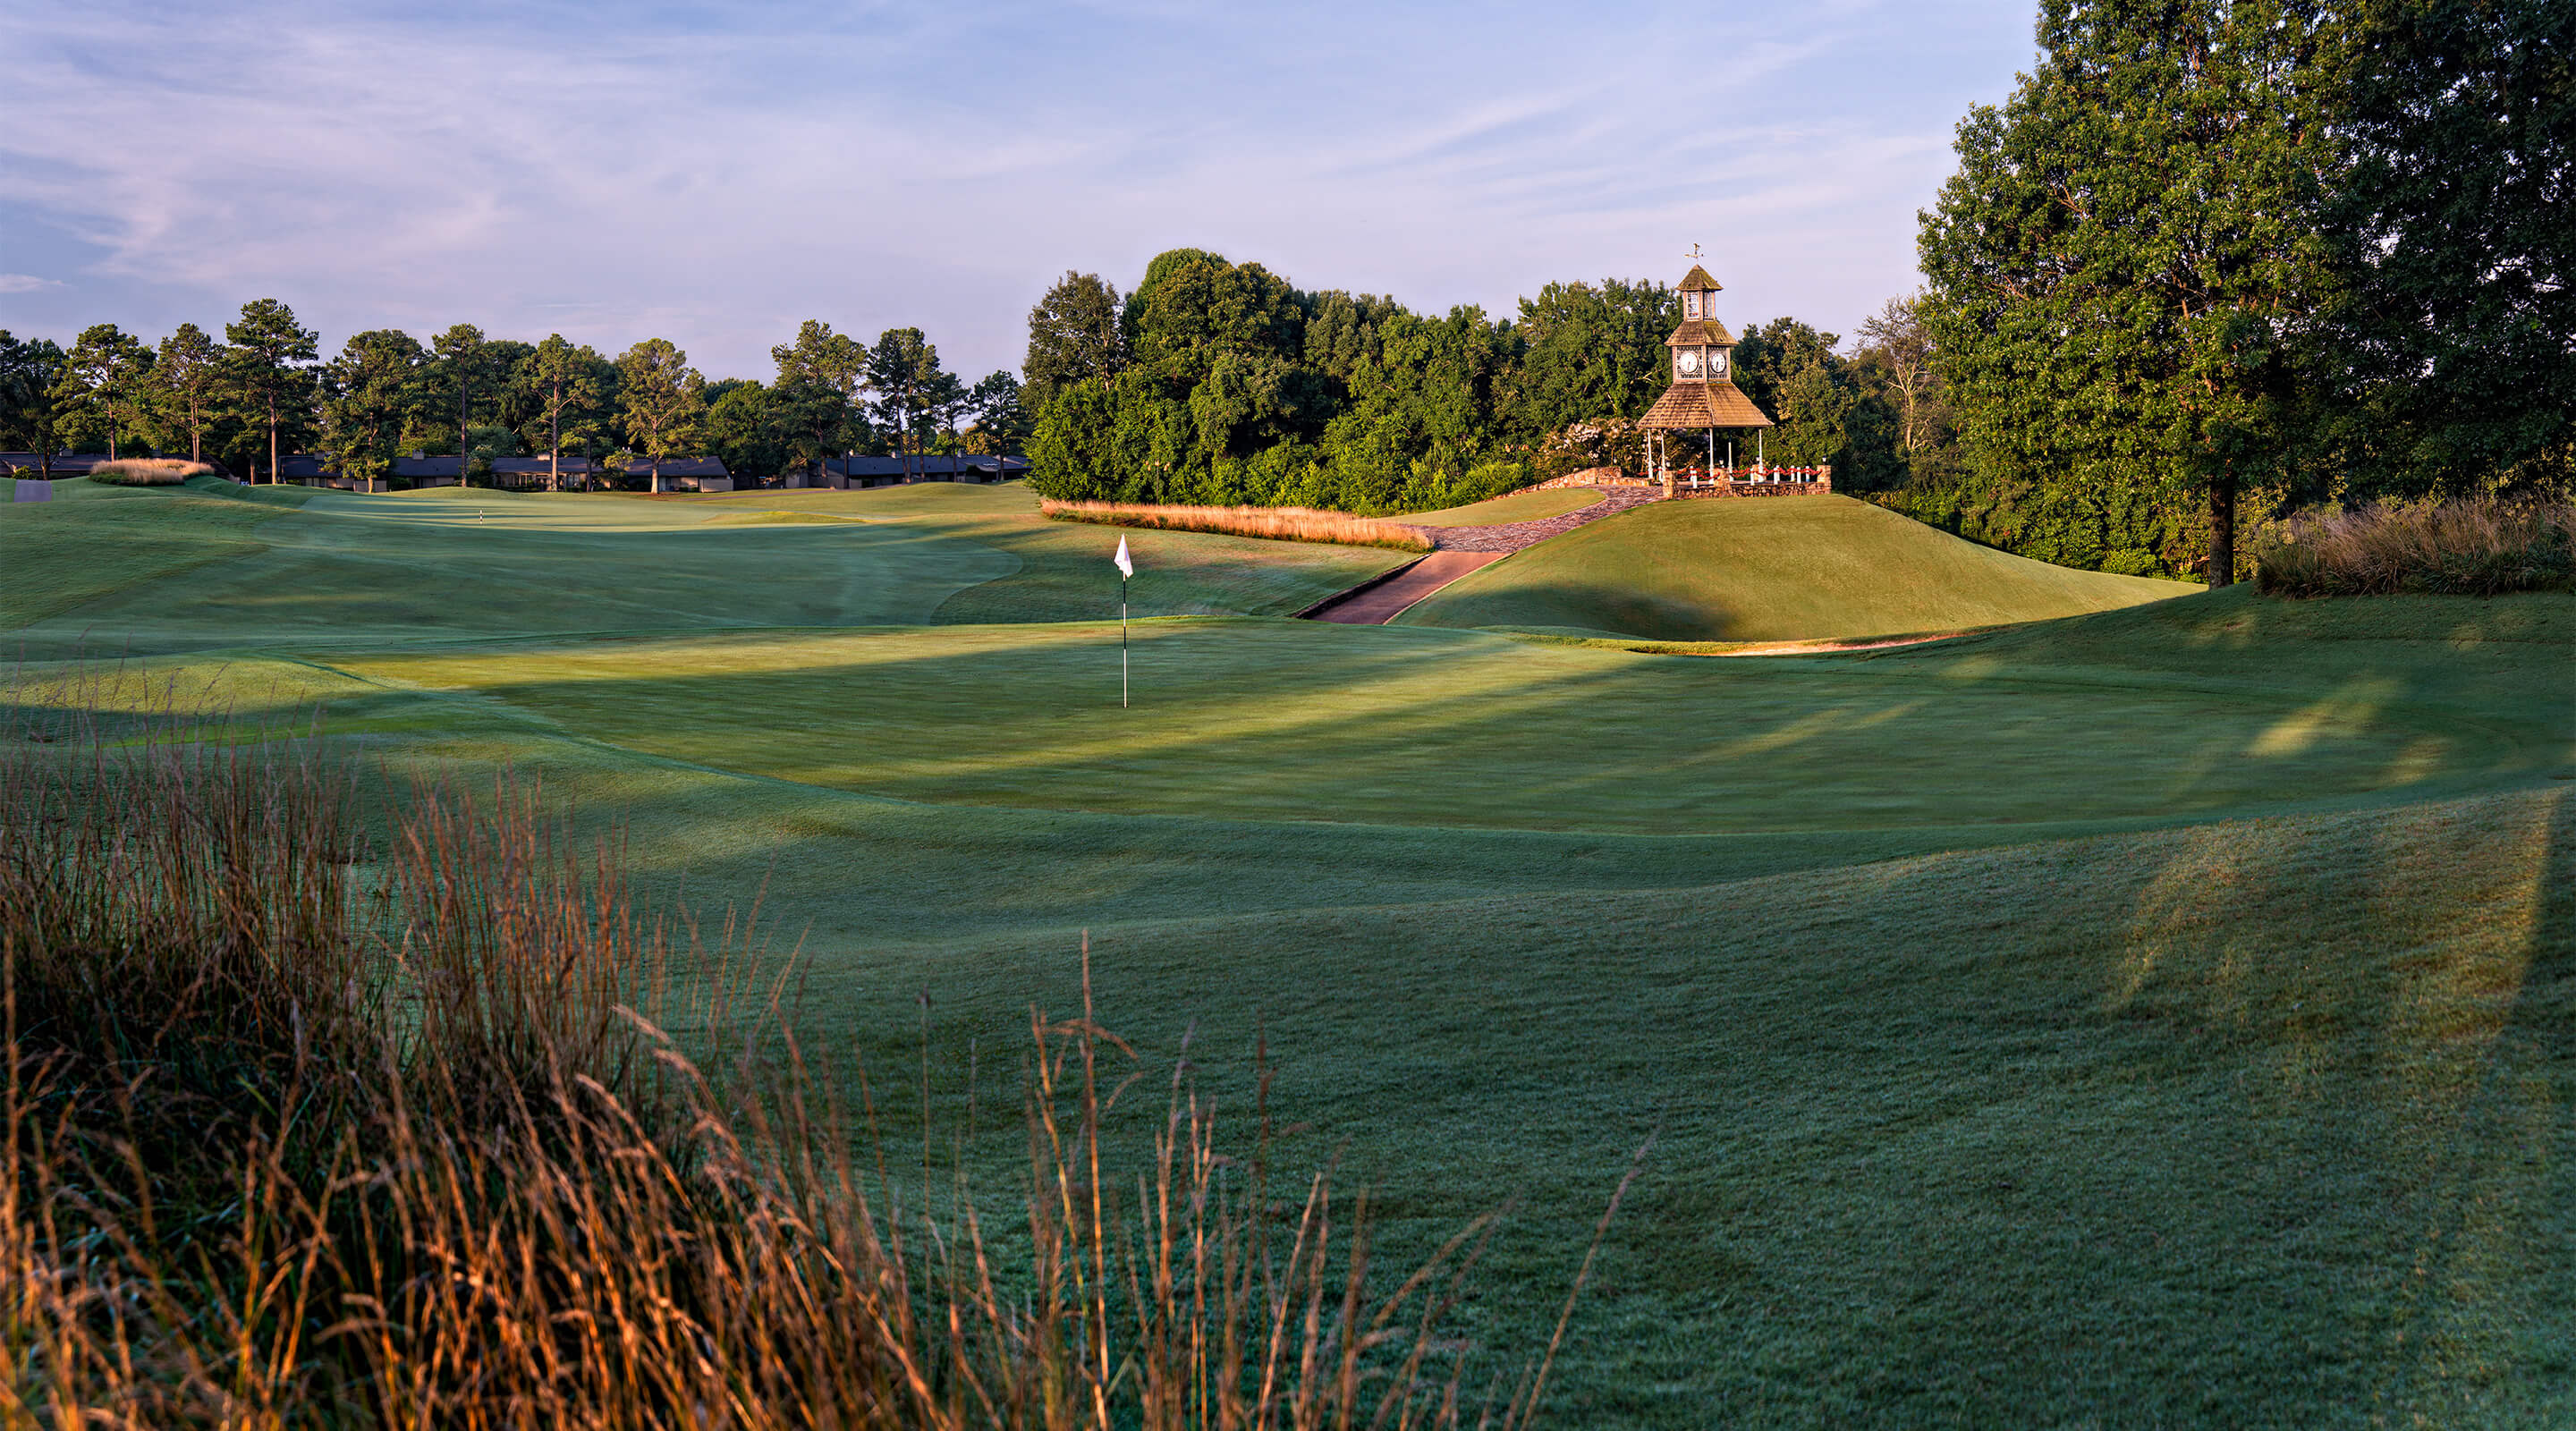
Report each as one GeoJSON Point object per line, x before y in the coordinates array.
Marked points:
{"type": "Point", "coordinates": [149, 472]}
{"type": "Point", "coordinates": [1769, 569]}
{"type": "Point", "coordinates": [1282, 524]}
{"type": "Point", "coordinates": [2483, 548]}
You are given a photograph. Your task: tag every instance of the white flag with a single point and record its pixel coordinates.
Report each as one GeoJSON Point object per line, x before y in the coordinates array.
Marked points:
{"type": "Point", "coordinates": [1126, 568]}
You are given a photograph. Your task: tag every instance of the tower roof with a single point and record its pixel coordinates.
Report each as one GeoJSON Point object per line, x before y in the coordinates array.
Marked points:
{"type": "Point", "coordinates": [1698, 281]}
{"type": "Point", "coordinates": [1700, 332]}
{"type": "Point", "coordinates": [1690, 406]}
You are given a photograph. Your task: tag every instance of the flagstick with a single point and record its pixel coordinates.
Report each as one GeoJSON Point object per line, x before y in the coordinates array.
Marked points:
{"type": "Point", "coordinates": [1122, 643]}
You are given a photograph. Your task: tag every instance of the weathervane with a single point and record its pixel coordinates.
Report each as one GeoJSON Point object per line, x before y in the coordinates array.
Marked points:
{"type": "Point", "coordinates": [1694, 255]}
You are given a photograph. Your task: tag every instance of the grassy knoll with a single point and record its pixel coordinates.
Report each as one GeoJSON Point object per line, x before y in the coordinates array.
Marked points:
{"type": "Point", "coordinates": [1516, 507]}
{"type": "Point", "coordinates": [2159, 1017]}
{"type": "Point", "coordinates": [1757, 569]}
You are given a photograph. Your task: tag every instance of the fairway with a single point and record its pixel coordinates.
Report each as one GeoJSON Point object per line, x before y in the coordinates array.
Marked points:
{"type": "Point", "coordinates": [1770, 568]}
{"type": "Point", "coordinates": [2157, 1015]}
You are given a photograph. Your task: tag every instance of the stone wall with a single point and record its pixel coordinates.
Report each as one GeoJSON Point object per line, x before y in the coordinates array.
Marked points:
{"type": "Point", "coordinates": [1759, 489]}
{"type": "Point", "coordinates": [1591, 477]}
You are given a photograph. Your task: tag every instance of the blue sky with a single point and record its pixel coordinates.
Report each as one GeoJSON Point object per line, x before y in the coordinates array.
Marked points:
{"type": "Point", "coordinates": [714, 174]}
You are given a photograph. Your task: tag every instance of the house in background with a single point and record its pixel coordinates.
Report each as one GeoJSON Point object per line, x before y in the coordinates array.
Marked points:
{"type": "Point", "coordinates": [888, 471]}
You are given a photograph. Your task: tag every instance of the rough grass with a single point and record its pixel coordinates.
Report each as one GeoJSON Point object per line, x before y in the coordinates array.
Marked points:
{"type": "Point", "coordinates": [1514, 507]}
{"type": "Point", "coordinates": [2468, 548]}
{"type": "Point", "coordinates": [150, 472]}
{"type": "Point", "coordinates": [1285, 524]}
{"type": "Point", "coordinates": [1770, 568]}
{"type": "Point", "coordinates": [295, 1131]}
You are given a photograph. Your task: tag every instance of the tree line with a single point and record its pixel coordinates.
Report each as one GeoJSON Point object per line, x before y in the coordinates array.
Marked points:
{"type": "Point", "coordinates": [2213, 260]}
{"type": "Point", "coordinates": [264, 391]}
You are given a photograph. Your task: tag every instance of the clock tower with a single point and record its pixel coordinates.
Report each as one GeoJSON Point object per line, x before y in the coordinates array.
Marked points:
{"type": "Point", "coordinates": [1703, 397]}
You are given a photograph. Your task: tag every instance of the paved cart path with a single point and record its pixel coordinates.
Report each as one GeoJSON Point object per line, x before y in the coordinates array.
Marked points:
{"type": "Point", "coordinates": [1457, 551]}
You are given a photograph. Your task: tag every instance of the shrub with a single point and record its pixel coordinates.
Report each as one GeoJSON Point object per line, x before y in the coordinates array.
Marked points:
{"type": "Point", "coordinates": [314, 1118]}
{"type": "Point", "coordinates": [150, 472]}
{"type": "Point", "coordinates": [2460, 548]}
{"type": "Point", "coordinates": [1286, 524]}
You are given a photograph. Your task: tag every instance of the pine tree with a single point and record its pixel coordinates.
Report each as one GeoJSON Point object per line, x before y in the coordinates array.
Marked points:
{"type": "Point", "coordinates": [267, 369]}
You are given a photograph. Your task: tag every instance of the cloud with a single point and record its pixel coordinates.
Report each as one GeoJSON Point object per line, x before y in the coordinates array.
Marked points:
{"type": "Point", "coordinates": [26, 283]}
{"type": "Point", "coordinates": [716, 180]}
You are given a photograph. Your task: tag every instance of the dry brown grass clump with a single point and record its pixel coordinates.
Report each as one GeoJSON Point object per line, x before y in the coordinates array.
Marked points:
{"type": "Point", "coordinates": [150, 471]}
{"type": "Point", "coordinates": [2461, 548]}
{"type": "Point", "coordinates": [1285, 524]}
{"type": "Point", "coordinates": [309, 1121]}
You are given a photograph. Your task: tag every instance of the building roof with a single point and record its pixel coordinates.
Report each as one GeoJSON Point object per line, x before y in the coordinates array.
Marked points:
{"type": "Point", "coordinates": [1699, 333]}
{"type": "Point", "coordinates": [923, 466]}
{"type": "Point", "coordinates": [1693, 405]}
{"type": "Point", "coordinates": [1698, 281]}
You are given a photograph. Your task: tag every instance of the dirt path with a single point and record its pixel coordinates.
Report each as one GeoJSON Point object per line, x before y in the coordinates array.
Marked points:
{"type": "Point", "coordinates": [1515, 536]}
{"type": "Point", "coordinates": [1457, 551]}
{"type": "Point", "coordinates": [1381, 603]}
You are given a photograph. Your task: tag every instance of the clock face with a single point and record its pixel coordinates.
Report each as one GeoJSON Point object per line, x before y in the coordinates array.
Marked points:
{"type": "Point", "coordinates": [1689, 361]}
{"type": "Point", "coordinates": [1717, 362]}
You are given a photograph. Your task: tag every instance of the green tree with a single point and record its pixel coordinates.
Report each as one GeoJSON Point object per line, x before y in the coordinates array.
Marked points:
{"type": "Point", "coordinates": [569, 394]}
{"type": "Point", "coordinates": [266, 370]}
{"type": "Point", "coordinates": [812, 401]}
{"type": "Point", "coordinates": [104, 391]}
{"type": "Point", "coordinates": [371, 393]}
{"type": "Point", "coordinates": [743, 428]}
{"type": "Point", "coordinates": [28, 372]}
{"type": "Point", "coordinates": [465, 364]}
{"type": "Point", "coordinates": [906, 385]}
{"type": "Point", "coordinates": [2120, 267]}
{"type": "Point", "coordinates": [1073, 335]}
{"type": "Point", "coordinates": [2455, 342]}
{"type": "Point", "coordinates": [664, 400]}
{"type": "Point", "coordinates": [189, 376]}
{"type": "Point", "coordinates": [1593, 352]}
{"type": "Point", "coordinates": [998, 403]}
{"type": "Point", "coordinates": [1900, 343]}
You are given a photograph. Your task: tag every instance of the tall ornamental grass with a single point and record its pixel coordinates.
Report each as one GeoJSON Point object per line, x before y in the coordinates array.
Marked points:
{"type": "Point", "coordinates": [1285, 524]}
{"type": "Point", "coordinates": [149, 472]}
{"type": "Point", "coordinates": [316, 1117]}
{"type": "Point", "coordinates": [2460, 548]}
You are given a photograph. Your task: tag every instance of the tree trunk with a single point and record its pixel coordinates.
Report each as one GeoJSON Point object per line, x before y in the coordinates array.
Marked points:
{"type": "Point", "coordinates": [462, 457]}
{"type": "Point", "coordinates": [2222, 531]}
{"type": "Point", "coordinates": [272, 440]}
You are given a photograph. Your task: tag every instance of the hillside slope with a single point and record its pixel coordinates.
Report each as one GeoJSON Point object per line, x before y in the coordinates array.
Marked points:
{"type": "Point", "coordinates": [1771, 569]}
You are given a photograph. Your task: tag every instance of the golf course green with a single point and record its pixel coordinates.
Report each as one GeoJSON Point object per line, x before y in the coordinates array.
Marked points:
{"type": "Point", "coordinates": [2158, 1009]}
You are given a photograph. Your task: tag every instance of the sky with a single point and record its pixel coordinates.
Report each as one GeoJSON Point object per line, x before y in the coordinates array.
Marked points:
{"type": "Point", "coordinates": [716, 174]}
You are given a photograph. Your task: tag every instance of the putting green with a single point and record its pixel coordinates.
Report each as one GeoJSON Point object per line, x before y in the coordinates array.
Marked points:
{"type": "Point", "coordinates": [1270, 720]}
{"type": "Point", "coordinates": [1770, 568]}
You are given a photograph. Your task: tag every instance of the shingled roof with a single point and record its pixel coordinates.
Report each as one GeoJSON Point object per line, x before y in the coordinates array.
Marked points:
{"type": "Point", "coordinates": [1699, 333]}
{"type": "Point", "coordinates": [1689, 406]}
{"type": "Point", "coordinates": [1698, 281]}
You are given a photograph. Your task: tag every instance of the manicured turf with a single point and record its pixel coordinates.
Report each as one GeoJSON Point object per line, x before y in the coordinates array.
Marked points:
{"type": "Point", "coordinates": [1770, 568]}
{"type": "Point", "coordinates": [445, 562]}
{"type": "Point", "coordinates": [2165, 1017]}
{"type": "Point", "coordinates": [96, 538]}
{"type": "Point", "coordinates": [1517, 507]}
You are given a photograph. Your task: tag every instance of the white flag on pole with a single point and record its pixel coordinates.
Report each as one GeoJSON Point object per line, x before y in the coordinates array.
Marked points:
{"type": "Point", "coordinates": [1126, 568]}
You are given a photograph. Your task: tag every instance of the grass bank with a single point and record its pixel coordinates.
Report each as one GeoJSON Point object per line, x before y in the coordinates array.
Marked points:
{"type": "Point", "coordinates": [1770, 568]}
